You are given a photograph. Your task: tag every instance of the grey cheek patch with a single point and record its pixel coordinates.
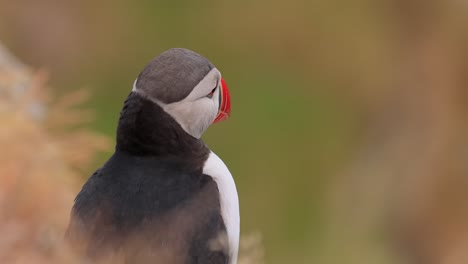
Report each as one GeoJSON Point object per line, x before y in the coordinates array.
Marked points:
{"type": "Point", "coordinates": [195, 112]}
{"type": "Point", "coordinates": [205, 86]}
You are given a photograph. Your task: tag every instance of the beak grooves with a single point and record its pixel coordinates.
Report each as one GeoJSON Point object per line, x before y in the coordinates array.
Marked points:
{"type": "Point", "coordinates": [224, 104]}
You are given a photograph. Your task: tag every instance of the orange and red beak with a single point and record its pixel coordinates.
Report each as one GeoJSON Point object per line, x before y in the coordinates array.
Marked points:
{"type": "Point", "coordinates": [224, 103]}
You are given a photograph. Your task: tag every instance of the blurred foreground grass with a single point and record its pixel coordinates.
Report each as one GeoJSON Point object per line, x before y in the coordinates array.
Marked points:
{"type": "Point", "coordinates": [38, 164]}
{"type": "Point", "coordinates": [348, 133]}
{"type": "Point", "coordinates": [44, 151]}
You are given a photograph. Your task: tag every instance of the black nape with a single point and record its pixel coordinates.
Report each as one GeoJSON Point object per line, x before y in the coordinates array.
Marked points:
{"type": "Point", "coordinates": [145, 129]}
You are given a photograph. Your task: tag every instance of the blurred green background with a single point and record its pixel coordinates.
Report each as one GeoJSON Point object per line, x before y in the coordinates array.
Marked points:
{"type": "Point", "coordinates": [324, 94]}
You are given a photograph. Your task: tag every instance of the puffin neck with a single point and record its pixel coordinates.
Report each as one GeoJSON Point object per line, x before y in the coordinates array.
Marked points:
{"type": "Point", "coordinates": [145, 129]}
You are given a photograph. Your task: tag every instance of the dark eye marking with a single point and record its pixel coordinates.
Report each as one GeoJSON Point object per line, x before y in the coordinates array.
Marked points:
{"type": "Point", "coordinates": [210, 95]}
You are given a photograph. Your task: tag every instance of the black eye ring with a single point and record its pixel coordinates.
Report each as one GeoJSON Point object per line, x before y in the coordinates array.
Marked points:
{"type": "Point", "coordinates": [210, 95]}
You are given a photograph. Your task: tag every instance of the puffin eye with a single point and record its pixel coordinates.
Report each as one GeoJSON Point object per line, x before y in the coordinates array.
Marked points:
{"type": "Point", "coordinates": [210, 95]}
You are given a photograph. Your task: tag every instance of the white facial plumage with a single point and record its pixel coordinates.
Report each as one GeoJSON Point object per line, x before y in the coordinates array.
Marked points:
{"type": "Point", "coordinates": [196, 112]}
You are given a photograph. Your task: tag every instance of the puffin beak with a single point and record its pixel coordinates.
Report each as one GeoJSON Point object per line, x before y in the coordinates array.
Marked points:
{"type": "Point", "coordinates": [224, 103]}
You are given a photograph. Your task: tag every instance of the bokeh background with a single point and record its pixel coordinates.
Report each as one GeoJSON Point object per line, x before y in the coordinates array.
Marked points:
{"type": "Point", "coordinates": [347, 138]}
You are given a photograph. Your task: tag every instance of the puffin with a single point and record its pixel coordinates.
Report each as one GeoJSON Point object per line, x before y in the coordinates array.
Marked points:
{"type": "Point", "coordinates": [163, 196]}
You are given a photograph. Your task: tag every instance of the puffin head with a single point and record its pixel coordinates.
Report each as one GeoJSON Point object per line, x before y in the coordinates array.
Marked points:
{"type": "Point", "coordinates": [188, 87]}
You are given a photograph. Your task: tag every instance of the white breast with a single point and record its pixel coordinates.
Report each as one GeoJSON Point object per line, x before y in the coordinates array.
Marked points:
{"type": "Point", "coordinates": [229, 201]}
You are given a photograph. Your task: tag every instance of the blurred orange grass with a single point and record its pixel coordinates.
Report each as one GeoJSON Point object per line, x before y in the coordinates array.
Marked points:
{"type": "Point", "coordinates": [40, 152]}
{"type": "Point", "coordinates": [44, 145]}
